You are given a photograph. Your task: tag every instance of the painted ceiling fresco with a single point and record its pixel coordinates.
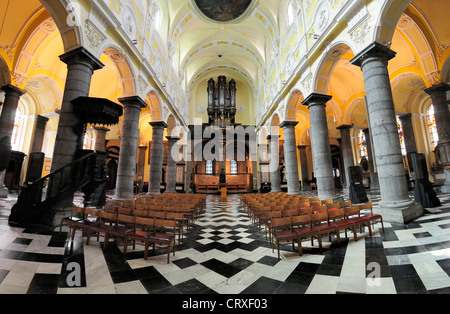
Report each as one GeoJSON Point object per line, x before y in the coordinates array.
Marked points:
{"type": "Point", "coordinates": [223, 10]}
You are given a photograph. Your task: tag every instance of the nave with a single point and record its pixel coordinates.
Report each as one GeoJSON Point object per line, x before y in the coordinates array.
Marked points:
{"type": "Point", "coordinates": [224, 253]}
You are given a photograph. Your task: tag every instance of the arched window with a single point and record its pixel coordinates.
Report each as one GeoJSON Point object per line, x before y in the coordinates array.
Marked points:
{"type": "Point", "coordinates": [17, 130]}
{"type": "Point", "coordinates": [362, 143]}
{"type": "Point", "coordinates": [432, 127]}
{"type": "Point", "coordinates": [209, 167]}
{"type": "Point", "coordinates": [290, 13]}
{"type": "Point", "coordinates": [401, 136]}
{"type": "Point", "coordinates": [234, 167]}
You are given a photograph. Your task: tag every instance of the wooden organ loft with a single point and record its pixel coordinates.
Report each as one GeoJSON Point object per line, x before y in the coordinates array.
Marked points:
{"type": "Point", "coordinates": [208, 176]}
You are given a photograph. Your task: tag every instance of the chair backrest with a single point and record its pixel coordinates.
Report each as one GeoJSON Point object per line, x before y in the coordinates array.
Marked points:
{"type": "Point", "coordinates": [332, 206]}
{"type": "Point", "coordinates": [336, 214]}
{"type": "Point", "coordinates": [163, 223]}
{"type": "Point", "coordinates": [320, 208]}
{"type": "Point", "coordinates": [144, 223]}
{"type": "Point", "coordinates": [129, 203]}
{"type": "Point", "coordinates": [140, 213]}
{"type": "Point", "coordinates": [304, 210]}
{"type": "Point", "coordinates": [290, 212]}
{"type": "Point", "coordinates": [116, 203]}
{"type": "Point", "coordinates": [156, 214]}
{"type": "Point", "coordinates": [126, 219]}
{"type": "Point", "coordinates": [125, 211]}
{"type": "Point", "coordinates": [282, 223]}
{"type": "Point", "coordinates": [90, 212]}
{"type": "Point", "coordinates": [105, 216]}
{"type": "Point", "coordinates": [324, 202]}
{"type": "Point", "coordinates": [319, 217]}
{"type": "Point", "coordinates": [351, 212]}
{"type": "Point", "coordinates": [346, 204]}
{"type": "Point", "coordinates": [301, 221]}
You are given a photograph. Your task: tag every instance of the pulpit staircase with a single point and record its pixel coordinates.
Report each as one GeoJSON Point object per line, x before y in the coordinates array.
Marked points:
{"type": "Point", "coordinates": [35, 203]}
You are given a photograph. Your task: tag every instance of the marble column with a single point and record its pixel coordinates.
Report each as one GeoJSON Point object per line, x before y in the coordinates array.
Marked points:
{"type": "Point", "coordinates": [320, 144]}
{"type": "Point", "coordinates": [274, 167]}
{"type": "Point", "coordinates": [171, 182]}
{"type": "Point", "coordinates": [7, 118]}
{"type": "Point", "coordinates": [81, 65]}
{"type": "Point", "coordinates": [304, 167]}
{"type": "Point", "coordinates": [290, 157]}
{"type": "Point", "coordinates": [129, 142]}
{"type": "Point", "coordinates": [442, 116]}
{"type": "Point", "coordinates": [374, 185]}
{"type": "Point", "coordinates": [156, 157]}
{"type": "Point", "coordinates": [395, 205]}
{"type": "Point", "coordinates": [347, 154]}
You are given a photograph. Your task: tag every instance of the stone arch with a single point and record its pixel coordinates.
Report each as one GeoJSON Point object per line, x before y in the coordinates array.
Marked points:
{"type": "Point", "coordinates": [327, 64]}
{"type": "Point", "coordinates": [67, 16]}
{"type": "Point", "coordinates": [172, 126]}
{"type": "Point", "coordinates": [155, 105]}
{"type": "Point", "coordinates": [124, 68]}
{"type": "Point", "coordinates": [291, 107]}
{"type": "Point", "coordinates": [387, 20]}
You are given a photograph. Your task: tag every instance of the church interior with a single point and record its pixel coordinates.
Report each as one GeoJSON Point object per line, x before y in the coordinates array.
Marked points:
{"type": "Point", "coordinates": [217, 116]}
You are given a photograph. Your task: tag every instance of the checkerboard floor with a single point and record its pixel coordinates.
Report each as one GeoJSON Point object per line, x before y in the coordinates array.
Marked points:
{"type": "Point", "coordinates": [224, 253]}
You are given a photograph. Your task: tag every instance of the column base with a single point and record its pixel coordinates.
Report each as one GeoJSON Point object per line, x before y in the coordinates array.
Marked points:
{"type": "Point", "coordinates": [446, 187]}
{"type": "Point", "coordinates": [401, 212]}
{"type": "Point", "coordinates": [4, 192]}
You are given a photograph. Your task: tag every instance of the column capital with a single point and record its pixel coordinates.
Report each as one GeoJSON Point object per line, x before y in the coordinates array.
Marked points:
{"type": "Point", "coordinates": [273, 137]}
{"type": "Point", "coordinates": [316, 99]}
{"type": "Point", "coordinates": [375, 49]}
{"type": "Point", "coordinates": [81, 54]}
{"type": "Point", "coordinates": [158, 124]}
{"type": "Point", "coordinates": [133, 101]}
{"type": "Point", "coordinates": [345, 127]}
{"type": "Point", "coordinates": [13, 89]}
{"type": "Point", "coordinates": [288, 124]}
{"type": "Point", "coordinates": [173, 138]}
{"type": "Point", "coordinates": [438, 88]}
{"type": "Point", "coordinates": [101, 128]}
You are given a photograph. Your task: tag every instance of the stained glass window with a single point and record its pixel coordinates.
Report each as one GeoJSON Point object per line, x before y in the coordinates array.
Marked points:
{"type": "Point", "coordinates": [209, 167]}
{"type": "Point", "coordinates": [432, 127]}
{"type": "Point", "coordinates": [362, 143]}
{"type": "Point", "coordinates": [234, 167]}
{"type": "Point", "coordinates": [401, 136]}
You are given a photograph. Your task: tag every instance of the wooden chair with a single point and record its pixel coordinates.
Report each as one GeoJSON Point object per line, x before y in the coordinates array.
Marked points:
{"type": "Point", "coordinates": [144, 229]}
{"type": "Point", "coordinates": [353, 214]}
{"type": "Point", "coordinates": [161, 238]}
{"type": "Point", "coordinates": [105, 221]}
{"type": "Point", "coordinates": [302, 226]}
{"type": "Point", "coordinates": [89, 219]}
{"type": "Point", "coordinates": [373, 218]}
{"type": "Point", "coordinates": [124, 224]}
{"type": "Point", "coordinates": [76, 214]}
{"type": "Point", "coordinates": [282, 233]}
{"type": "Point", "coordinates": [337, 222]}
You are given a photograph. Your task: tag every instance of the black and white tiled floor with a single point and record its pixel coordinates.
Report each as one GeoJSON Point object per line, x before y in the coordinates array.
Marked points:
{"type": "Point", "coordinates": [225, 254]}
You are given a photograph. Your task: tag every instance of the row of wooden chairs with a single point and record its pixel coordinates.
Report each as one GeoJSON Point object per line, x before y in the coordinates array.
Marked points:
{"type": "Point", "coordinates": [137, 230]}
{"type": "Point", "coordinates": [315, 224]}
{"type": "Point", "coordinates": [180, 216]}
